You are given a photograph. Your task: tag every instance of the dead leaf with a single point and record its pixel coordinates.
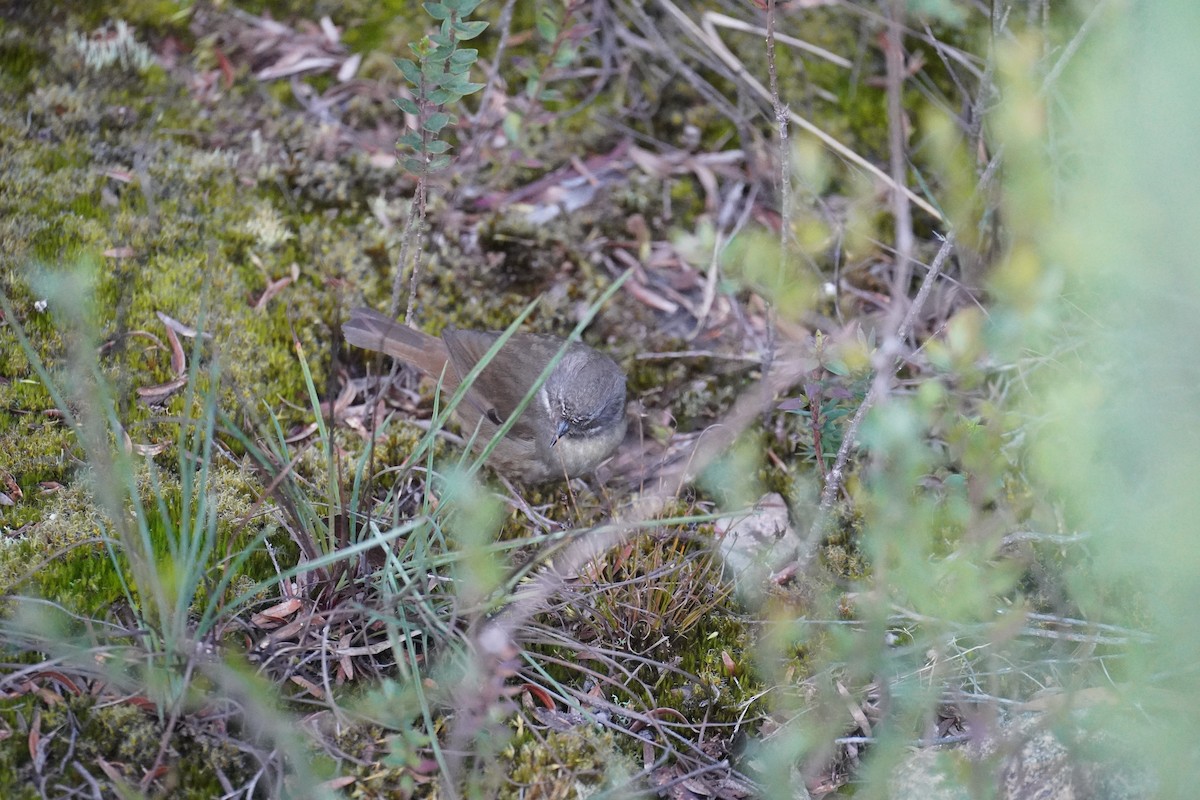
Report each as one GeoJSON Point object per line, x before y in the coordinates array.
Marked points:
{"type": "Point", "coordinates": [292, 66]}
{"type": "Point", "coordinates": [345, 663]}
{"type": "Point", "coordinates": [541, 695]}
{"type": "Point", "coordinates": [647, 297]}
{"type": "Point", "coordinates": [63, 679]}
{"type": "Point", "coordinates": [111, 772]}
{"type": "Point", "coordinates": [349, 67]}
{"type": "Point", "coordinates": [158, 394]}
{"type": "Point", "coordinates": [339, 783]}
{"type": "Point", "coordinates": [179, 327]}
{"type": "Point", "coordinates": [302, 434]}
{"type": "Point", "coordinates": [178, 359]}
{"type": "Point", "coordinates": [277, 614]}
{"type": "Point", "coordinates": [308, 685]}
{"type": "Point", "coordinates": [119, 175]}
{"type": "Point", "coordinates": [273, 288]}
{"type": "Point", "coordinates": [149, 449]}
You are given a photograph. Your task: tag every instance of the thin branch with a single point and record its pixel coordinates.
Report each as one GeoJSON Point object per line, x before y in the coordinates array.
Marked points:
{"type": "Point", "coordinates": [781, 119]}
{"type": "Point", "coordinates": [706, 34]}
{"type": "Point", "coordinates": [837, 474]}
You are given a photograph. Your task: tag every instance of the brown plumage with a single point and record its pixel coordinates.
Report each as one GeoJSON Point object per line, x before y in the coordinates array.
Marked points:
{"type": "Point", "coordinates": [574, 421]}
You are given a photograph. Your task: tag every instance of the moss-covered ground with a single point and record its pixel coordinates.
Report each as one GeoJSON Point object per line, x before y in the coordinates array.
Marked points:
{"type": "Point", "coordinates": [227, 568]}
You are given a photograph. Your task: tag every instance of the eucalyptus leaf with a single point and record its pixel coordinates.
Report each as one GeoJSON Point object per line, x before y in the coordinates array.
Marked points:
{"type": "Point", "coordinates": [469, 30]}
{"type": "Point", "coordinates": [409, 69]}
{"type": "Point", "coordinates": [407, 106]}
{"type": "Point", "coordinates": [436, 121]}
{"type": "Point", "coordinates": [410, 139]}
{"type": "Point", "coordinates": [438, 11]}
{"type": "Point", "coordinates": [547, 26]}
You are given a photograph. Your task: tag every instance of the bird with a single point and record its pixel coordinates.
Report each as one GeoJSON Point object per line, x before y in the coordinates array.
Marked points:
{"type": "Point", "coordinates": [574, 421]}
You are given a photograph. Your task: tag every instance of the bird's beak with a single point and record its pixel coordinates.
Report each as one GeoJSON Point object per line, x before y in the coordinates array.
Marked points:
{"type": "Point", "coordinates": [562, 428]}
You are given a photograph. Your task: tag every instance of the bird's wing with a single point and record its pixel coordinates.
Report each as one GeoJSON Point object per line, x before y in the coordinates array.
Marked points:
{"type": "Point", "coordinates": [504, 385]}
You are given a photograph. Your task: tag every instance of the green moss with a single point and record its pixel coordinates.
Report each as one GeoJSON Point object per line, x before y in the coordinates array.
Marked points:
{"type": "Point", "coordinates": [663, 597]}
{"type": "Point", "coordinates": [40, 457]}
{"type": "Point", "coordinates": [79, 729]}
{"type": "Point", "coordinates": [224, 198]}
{"type": "Point", "coordinates": [383, 766]}
{"type": "Point", "coordinates": [60, 556]}
{"type": "Point", "coordinates": [579, 760]}
{"type": "Point", "coordinates": [20, 61]}
{"type": "Point", "coordinates": [191, 197]}
{"type": "Point", "coordinates": [841, 552]}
